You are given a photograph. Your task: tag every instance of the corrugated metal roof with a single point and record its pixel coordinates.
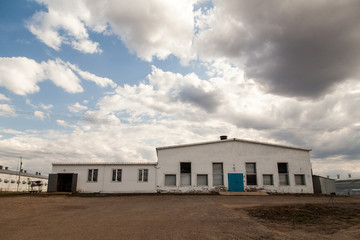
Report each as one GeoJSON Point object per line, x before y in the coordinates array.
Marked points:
{"type": "Point", "coordinates": [231, 140]}
{"type": "Point", "coordinates": [104, 163]}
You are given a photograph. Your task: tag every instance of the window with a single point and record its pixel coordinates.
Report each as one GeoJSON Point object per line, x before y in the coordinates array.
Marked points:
{"type": "Point", "coordinates": [283, 173]}
{"type": "Point", "coordinates": [170, 179]}
{"type": "Point", "coordinates": [143, 175]}
{"type": "Point", "coordinates": [12, 181]}
{"type": "Point", "coordinates": [185, 173]}
{"type": "Point", "coordinates": [116, 175]}
{"type": "Point", "coordinates": [268, 179]}
{"type": "Point", "coordinates": [299, 179]}
{"type": "Point", "coordinates": [202, 179]}
{"type": "Point", "coordinates": [218, 179]}
{"type": "Point", "coordinates": [251, 174]}
{"type": "Point", "coordinates": [93, 175]}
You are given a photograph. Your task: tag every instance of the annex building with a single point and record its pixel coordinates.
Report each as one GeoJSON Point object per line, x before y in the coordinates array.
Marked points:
{"type": "Point", "coordinates": [223, 165]}
{"type": "Point", "coordinates": [12, 181]}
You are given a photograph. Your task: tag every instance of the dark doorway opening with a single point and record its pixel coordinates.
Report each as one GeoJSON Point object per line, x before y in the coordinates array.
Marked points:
{"type": "Point", "coordinates": [65, 182]}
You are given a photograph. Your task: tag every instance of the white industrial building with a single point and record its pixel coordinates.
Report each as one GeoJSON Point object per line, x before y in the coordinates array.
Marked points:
{"type": "Point", "coordinates": [12, 181]}
{"type": "Point", "coordinates": [103, 177]}
{"type": "Point", "coordinates": [228, 164]}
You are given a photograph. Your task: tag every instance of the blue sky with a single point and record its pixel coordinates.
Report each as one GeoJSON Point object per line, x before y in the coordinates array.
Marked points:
{"type": "Point", "coordinates": [111, 80]}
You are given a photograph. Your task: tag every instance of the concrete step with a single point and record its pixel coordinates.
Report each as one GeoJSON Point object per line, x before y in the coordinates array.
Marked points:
{"type": "Point", "coordinates": [243, 193]}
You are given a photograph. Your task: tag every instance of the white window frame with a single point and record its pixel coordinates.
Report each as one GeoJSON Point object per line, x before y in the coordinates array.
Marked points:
{"type": "Point", "coordinates": [141, 175]}
{"type": "Point", "coordinates": [116, 175]}
{"type": "Point", "coordinates": [91, 174]}
{"type": "Point", "coordinates": [218, 174]}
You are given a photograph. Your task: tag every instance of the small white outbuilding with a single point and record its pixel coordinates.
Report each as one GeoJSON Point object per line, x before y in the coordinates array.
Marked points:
{"type": "Point", "coordinates": [228, 164]}
{"type": "Point", "coordinates": [102, 177]}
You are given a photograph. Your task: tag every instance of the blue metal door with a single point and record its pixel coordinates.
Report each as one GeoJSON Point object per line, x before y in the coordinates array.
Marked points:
{"type": "Point", "coordinates": [236, 182]}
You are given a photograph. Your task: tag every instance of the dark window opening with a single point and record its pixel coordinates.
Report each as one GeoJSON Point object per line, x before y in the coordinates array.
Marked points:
{"type": "Point", "coordinates": [283, 173]}
{"type": "Point", "coordinates": [251, 178]}
{"type": "Point", "coordinates": [185, 176]}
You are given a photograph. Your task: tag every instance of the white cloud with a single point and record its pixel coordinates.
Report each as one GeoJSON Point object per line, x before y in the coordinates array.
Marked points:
{"type": "Point", "coordinates": [62, 123]}
{"type": "Point", "coordinates": [100, 81]}
{"type": "Point", "coordinates": [62, 76]}
{"type": "Point", "coordinates": [4, 98]}
{"type": "Point", "coordinates": [39, 114]}
{"type": "Point", "coordinates": [21, 75]}
{"type": "Point", "coordinates": [10, 131]}
{"type": "Point", "coordinates": [171, 108]}
{"type": "Point", "coordinates": [46, 107]}
{"type": "Point", "coordinates": [45, 25]}
{"type": "Point", "coordinates": [6, 109]}
{"type": "Point", "coordinates": [77, 107]}
{"type": "Point", "coordinates": [147, 27]}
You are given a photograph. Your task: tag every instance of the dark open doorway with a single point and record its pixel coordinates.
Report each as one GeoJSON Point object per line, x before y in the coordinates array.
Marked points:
{"type": "Point", "coordinates": [62, 182]}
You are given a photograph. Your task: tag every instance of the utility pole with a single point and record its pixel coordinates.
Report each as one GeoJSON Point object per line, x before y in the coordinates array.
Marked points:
{"type": "Point", "coordinates": [18, 182]}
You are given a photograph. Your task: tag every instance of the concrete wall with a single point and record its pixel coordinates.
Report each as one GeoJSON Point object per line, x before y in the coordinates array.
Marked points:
{"type": "Point", "coordinates": [234, 155]}
{"type": "Point", "coordinates": [8, 182]}
{"type": "Point", "coordinates": [129, 183]}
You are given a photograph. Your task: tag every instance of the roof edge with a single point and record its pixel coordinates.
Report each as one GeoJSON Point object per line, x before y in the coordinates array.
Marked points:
{"type": "Point", "coordinates": [102, 163]}
{"type": "Point", "coordinates": [231, 140]}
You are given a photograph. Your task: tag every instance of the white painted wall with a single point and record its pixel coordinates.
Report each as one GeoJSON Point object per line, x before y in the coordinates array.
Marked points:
{"type": "Point", "coordinates": [129, 183]}
{"type": "Point", "coordinates": [8, 182]}
{"type": "Point", "coordinates": [234, 155]}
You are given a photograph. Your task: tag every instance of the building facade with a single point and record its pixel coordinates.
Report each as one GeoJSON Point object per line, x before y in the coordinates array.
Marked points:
{"type": "Point", "coordinates": [234, 165]}
{"type": "Point", "coordinates": [103, 177]}
{"type": "Point", "coordinates": [230, 164]}
{"type": "Point", "coordinates": [12, 181]}
{"type": "Point", "coordinates": [349, 186]}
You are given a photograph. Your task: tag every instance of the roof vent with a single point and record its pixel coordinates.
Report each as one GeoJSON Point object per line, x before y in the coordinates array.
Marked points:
{"type": "Point", "coordinates": [349, 175]}
{"type": "Point", "coordinates": [223, 137]}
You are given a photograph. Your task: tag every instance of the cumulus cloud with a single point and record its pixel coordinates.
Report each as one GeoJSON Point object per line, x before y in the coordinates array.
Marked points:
{"type": "Point", "coordinates": [7, 110]}
{"type": "Point", "coordinates": [77, 107]}
{"type": "Point", "coordinates": [4, 98]}
{"type": "Point", "coordinates": [130, 122]}
{"type": "Point", "coordinates": [62, 123]}
{"type": "Point", "coordinates": [47, 25]}
{"type": "Point", "coordinates": [100, 81]}
{"type": "Point", "coordinates": [295, 48]}
{"type": "Point", "coordinates": [46, 107]}
{"type": "Point", "coordinates": [147, 27]}
{"type": "Point", "coordinates": [21, 75]}
{"type": "Point", "coordinates": [39, 114]}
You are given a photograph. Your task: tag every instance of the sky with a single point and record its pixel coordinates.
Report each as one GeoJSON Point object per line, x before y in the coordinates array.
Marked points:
{"type": "Point", "coordinates": [111, 80]}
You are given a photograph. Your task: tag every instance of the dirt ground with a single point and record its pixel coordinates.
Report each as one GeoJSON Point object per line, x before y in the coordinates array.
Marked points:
{"type": "Point", "coordinates": [179, 217]}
